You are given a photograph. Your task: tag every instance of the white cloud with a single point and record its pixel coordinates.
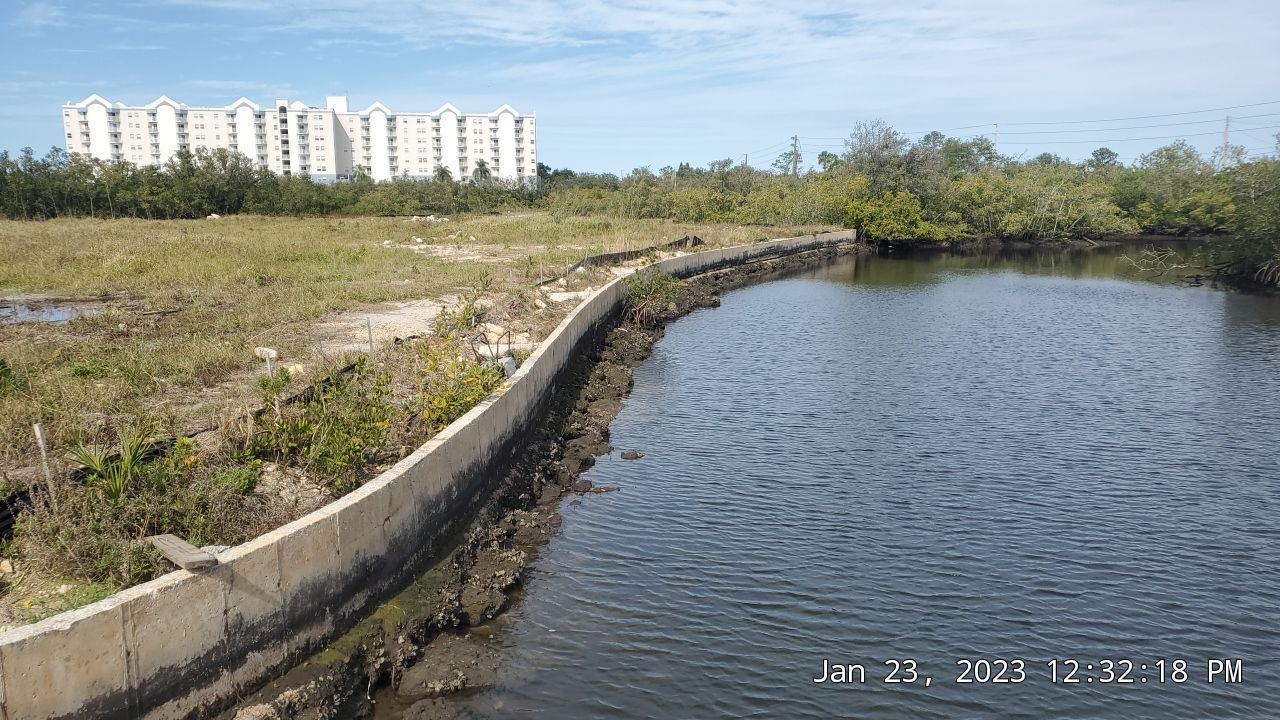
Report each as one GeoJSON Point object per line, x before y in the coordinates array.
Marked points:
{"type": "Point", "coordinates": [702, 80]}
{"type": "Point", "coordinates": [249, 88]}
{"type": "Point", "coordinates": [40, 14]}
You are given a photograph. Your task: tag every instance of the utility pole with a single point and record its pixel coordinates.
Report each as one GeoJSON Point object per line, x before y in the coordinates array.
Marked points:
{"type": "Point", "coordinates": [795, 156]}
{"type": "Point", "coordinates": [1226, 143]}
{"type": "Point", "coordinates": [997, 140]}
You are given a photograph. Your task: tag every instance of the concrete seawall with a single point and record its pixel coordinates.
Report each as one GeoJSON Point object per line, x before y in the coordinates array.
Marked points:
{"type": "Point", "coordinates": [185, 641]}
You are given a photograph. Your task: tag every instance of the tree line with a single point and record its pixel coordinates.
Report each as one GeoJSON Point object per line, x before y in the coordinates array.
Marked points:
{"type": "Point", "coordinates": [939, 189]}
{"type": "Point", "coordinates": [930, 190]}
{"type": "Point", "coordinates": [194, 185]}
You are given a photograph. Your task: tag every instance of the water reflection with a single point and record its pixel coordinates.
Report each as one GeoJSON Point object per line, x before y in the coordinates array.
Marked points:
{"type": "Point", "coordinates": [938, 457]}
{"type": "Point", "coordinates": [25, 310]}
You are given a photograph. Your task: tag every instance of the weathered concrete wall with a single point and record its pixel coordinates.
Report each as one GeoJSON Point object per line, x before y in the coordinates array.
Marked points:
{"type": "Point", "coordinates": [173, 645]}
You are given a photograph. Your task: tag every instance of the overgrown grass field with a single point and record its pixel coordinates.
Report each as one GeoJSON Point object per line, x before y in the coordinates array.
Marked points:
{"type": "Point", "coordinates": [181, 307]}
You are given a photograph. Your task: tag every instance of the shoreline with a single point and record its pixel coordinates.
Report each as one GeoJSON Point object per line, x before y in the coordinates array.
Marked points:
{"type": "Point", "coordinates": [986, 244]}
{"type": "Point", "coordinates": [439, 623]}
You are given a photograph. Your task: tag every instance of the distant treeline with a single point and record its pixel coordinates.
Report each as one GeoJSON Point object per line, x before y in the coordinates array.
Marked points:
{"type": "Point", "coordinates": [892, 189]}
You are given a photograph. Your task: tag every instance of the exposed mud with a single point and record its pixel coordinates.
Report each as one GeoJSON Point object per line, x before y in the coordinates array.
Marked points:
{"type": "Point", "coordinates": [432, 641]}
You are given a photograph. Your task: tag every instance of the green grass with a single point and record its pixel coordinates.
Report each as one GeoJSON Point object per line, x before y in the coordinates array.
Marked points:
{"type": "Point", "coordinates": [237, 283]}
{"type": "Point", "coordinates": [186, 303]}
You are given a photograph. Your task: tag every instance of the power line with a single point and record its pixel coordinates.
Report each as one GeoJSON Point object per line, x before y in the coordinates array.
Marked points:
{"type": "Point", "coordinates": [1098, 120]}
{"type": "Point", "coordinates": [770, 147]}
{"type": "Point", "coordinates": [1144, 117]}
{"type": "Point", "coordinates": [1113, 140]}
{"type": "Point", "coordinates": [1138, 127]}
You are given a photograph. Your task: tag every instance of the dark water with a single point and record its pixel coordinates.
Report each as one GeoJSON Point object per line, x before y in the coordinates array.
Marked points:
{"type": "Point", "coordinates": [935, 459]}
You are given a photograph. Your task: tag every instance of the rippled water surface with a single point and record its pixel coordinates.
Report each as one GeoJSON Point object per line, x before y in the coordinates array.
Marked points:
{"type": "Point", "coordinates": [933, 458]}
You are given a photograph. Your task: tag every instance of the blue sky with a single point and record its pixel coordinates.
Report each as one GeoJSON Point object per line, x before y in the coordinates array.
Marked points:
{"type": "Point", "coordinates": [621, 85]}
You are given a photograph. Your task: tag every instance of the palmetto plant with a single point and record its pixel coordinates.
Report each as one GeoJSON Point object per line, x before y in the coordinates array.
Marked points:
{"type": "Point", "coordinates": [111, 472]}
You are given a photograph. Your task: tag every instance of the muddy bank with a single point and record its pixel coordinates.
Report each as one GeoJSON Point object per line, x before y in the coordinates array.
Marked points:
{"type": "Point", "coordinates": [995, 243]}
{"type": "Point", "coordinates": [434, 638]}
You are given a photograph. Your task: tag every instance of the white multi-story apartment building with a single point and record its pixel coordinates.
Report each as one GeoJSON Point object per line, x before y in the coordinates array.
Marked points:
{"type": "Point", "coordinates": [328, 143]}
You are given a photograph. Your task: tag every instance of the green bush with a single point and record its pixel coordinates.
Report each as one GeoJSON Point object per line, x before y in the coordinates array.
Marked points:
{"type": "Point", "coordinates": [451, 385]}
{"type": "Point", "coordinates": [648, 294]}
{"type": "Point", "coordinates": [94, 532]}
{"type": "Point", "coordinates": [335, 434]}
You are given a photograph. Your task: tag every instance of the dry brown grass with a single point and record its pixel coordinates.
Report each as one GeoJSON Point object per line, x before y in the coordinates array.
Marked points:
{"type": "Point", "coordinates": [237, 283]}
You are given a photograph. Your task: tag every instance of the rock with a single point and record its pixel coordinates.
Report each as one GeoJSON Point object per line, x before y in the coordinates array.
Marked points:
{"type": "Point", "coordinates": [582, 485]}
{"type": "Point", "coordinates": [433, 709]}
{"type": "Point", "coordinates": [386, 243]}
{"type": "Point", "coordinates": [266, 353]}
{"type": "Point", "coordinates": [449, 664]}
{"type": "Point", "coordinates": [291, 487]}
{"type": "Point", "coordinates": [213, 216]}
{"type": "Point", "coordinates": [632, 454]}
{"type": "Point", "coordinates": [550, 494]}
{"type": "Point", "coordinates": [508, 366]}
{"type": "Point", "coordinates": [296, 370]}
{"type": "Point", "coordinates": [540, 303]}
{"type": "Point", "coordinates": [417, 239]}
{"type": "Point", "coordinates": [485, 595]}
{"type": "Point", "coordinates": [567, 295]}
{"type": "Point", "coordinates": [257, 712]}
{"type": "Point", "coordinates": [6, 567]}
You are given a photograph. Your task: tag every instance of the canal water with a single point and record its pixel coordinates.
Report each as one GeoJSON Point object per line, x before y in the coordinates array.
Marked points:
{"type": "Point", "coordinates": [1024, 457]}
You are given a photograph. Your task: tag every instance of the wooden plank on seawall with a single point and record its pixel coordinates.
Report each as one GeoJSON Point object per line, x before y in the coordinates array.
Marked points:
{"type": "Point", "coordinates": [182, 553]}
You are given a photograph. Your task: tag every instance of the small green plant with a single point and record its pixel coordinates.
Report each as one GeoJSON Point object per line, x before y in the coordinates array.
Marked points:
{"type": "Point", "coordinates": [94, 369]}
{"type": "Point", "coordinates": [469, 312]}
{"type": "Point", "coordinates": [452, 385]}
{"type": "Point", "coordinates": [273, 385]}
{"type": "Point", "coordinates": [240, 478]}
{"type": "Point", "coordinates": [76, 596]}
{"type": "Point", "coordinates": [10, 380]}
{"type": "Point", "coordinates": [648, 294]}
{"type": "Point", "coordinates": [110, 471]}
{"type": "Point", "coordinates": [335, 433]}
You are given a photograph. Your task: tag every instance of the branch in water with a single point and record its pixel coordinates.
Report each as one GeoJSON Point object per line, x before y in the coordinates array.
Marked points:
{"type": "Point", "coordinates": [1157, 261]}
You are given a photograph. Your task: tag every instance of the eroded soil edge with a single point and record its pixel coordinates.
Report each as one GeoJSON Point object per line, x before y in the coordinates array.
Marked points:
{"type": "Point", "coordinates": [433, 639]}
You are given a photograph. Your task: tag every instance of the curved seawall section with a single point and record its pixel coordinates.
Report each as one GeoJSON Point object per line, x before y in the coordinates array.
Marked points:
{"type": "Point", "coordinates": [189, 641]}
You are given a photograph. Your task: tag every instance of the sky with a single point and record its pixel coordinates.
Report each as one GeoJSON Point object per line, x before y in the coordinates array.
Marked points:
{"type": "Point", "coordinates": [628, 84]}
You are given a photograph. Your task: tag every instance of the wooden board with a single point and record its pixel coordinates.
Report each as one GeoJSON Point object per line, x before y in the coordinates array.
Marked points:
{"type": "Point", "coordinates": [182, 553]}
